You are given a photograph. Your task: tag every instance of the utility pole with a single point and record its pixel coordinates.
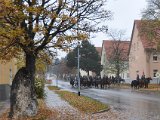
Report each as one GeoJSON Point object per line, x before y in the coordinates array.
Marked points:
{"type": "Point", "coordinates": [78, 70]}
{"type": "Point", "coordinates": [78, 1]}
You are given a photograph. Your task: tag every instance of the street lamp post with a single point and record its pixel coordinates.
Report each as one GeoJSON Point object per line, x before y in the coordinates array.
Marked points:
{"type": "Point", "coordinates": [78, 1]}
{"type": "Point", "coordinates": [78, 70]}
{"type": "Point", "coordinates": [78, 53]}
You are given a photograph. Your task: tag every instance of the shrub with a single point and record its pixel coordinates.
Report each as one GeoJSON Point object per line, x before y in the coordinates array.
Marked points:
{"type": "Point", "coordinates": [39, 87]}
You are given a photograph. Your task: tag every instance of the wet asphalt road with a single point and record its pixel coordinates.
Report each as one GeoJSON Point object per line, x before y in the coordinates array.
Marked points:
{"type": "Point", "coordinates": [127, 103]}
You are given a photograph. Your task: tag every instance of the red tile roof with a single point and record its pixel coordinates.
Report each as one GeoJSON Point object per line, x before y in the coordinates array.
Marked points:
{"type": "Point", "coordinates": [109, 46]}
{"type": "Point", "coordinates": [147, 44]}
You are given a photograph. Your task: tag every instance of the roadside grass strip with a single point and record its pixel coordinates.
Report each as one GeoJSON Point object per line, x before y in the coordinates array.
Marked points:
{"type": "Point", "coordinates": [82, 103]}
{"type": "Point", "coordinates": [154, 86]}
{"type": "Point", "coordinates": [53, 88]}
{"type": "Point", "coordinates": [122, 86]}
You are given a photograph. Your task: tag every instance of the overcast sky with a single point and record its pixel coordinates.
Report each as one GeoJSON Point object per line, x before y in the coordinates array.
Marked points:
{"type": "Point", "coordinates": [124, 14]}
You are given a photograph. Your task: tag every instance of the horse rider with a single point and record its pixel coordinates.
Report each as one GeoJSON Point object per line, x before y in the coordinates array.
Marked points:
{"type": "Point", "coordinates": [137, 78]}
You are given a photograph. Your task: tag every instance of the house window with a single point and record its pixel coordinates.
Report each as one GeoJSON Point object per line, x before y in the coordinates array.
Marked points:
{"type": "Point", "coordinates": [154, 72]}
{"type": "Point", "coordinates": [155, 58]}
{"type": "Point", "coordinates": [137, 71]}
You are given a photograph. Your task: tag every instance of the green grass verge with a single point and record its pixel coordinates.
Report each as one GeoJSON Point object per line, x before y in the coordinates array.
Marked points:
{"type": "Point", "coordinates": [53, 88]}
{"type": "Point", "coordinates": [82, 103]}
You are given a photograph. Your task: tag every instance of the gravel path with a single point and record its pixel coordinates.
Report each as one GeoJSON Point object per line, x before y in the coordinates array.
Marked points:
{"type": "Point", "coordinates": [53, 100]}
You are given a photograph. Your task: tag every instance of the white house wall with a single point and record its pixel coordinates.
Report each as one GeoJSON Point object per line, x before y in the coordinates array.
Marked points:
{"type": "Point", "coordinates": [84, 73]}
{"type": "Point", "coordinates": [103, 61]}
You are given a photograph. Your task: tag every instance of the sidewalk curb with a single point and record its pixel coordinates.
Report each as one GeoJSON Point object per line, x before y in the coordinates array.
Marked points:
{"type": "Point", "coordinates": [101, 111]}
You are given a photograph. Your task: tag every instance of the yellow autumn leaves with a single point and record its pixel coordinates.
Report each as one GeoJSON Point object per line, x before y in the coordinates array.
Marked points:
{"type": "Point", "coordinates": [41, 63]}
{"type": "Point", "coordinates": [43, 113]}
{"type": "Point", "coordinates": [23, 25]}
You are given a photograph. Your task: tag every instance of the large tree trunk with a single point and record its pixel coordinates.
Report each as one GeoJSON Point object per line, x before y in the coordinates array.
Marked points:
{"type": "Point", "coordinates": [88, 73]}
{"type": "Point", "coordinates": [23, 97]}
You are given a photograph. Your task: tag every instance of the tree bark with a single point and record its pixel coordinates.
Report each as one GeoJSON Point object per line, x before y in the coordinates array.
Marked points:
{"type": "Point", "coordinates": [118, 72]}
{"type": "Point", "coordinates": [88, 73]}
{"type": "Point", "coordinates": [30, 65]}
{"type": "Point", "coordinates": [23, 101]}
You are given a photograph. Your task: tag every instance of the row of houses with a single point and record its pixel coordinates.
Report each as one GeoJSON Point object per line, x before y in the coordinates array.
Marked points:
{"type": "Point", "coordinates": [141, 55]}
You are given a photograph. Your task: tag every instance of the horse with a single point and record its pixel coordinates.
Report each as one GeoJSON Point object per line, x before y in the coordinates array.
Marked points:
{"type": "Point", "coordinates": [72, 82]}
{"type": "Point", "coordinates": [141, 83]}
{"type": "Point", "coordinates": [147, 81]}
{"type": "Point", "coordinates": [105, 82]}
{"type": "Point", "coordinates": [135, 84]}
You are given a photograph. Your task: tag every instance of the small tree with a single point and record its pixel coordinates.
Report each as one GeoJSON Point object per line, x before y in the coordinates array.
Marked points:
{"type": "Point", "coordinates": [61, 68]}
{"type": "Point", "coordinates": [117, 53]}
{"type": "Point", "coordinates": [89, 58]}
